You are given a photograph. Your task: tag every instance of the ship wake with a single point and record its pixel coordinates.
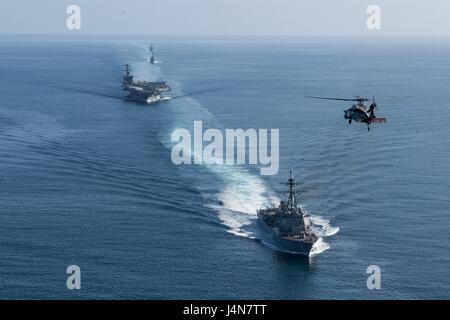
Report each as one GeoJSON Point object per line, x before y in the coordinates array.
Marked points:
{"type": "Point", "coordinates": [239, 201]}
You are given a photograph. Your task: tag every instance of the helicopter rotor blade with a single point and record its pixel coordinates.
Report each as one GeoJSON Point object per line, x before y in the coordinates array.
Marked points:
{"type": "Point", "coordinates": [189, 94]}
{"type": "Point", "coordinates": [338, 99]}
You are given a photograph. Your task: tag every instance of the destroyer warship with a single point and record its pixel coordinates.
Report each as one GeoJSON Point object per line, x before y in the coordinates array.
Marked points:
{"type": "Point", "coordinates": [288, 224]}
{"type": "Point", "coordinates": [143, 91]}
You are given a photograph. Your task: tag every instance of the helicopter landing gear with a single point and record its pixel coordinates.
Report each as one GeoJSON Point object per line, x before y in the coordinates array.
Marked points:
{"type": "Point", "coordinates": [350, 121]}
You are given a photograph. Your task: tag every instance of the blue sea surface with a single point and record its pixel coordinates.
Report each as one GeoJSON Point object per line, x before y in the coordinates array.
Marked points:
{"type": "Point", "coordinates": [87, 179]}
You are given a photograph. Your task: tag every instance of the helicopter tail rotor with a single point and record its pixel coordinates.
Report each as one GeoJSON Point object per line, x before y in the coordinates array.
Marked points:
{"type": "Point", "coordinates": [372, 108]}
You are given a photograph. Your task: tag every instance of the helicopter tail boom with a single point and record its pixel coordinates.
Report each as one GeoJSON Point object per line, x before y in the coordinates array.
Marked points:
{"type": "Point", "coordinates": [377, 120]}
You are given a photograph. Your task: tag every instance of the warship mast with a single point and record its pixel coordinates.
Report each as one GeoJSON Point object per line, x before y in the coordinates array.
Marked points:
{"type": "Point", "coordinates": [292, 200]}
{"type": "Point", "coordinates": [152, 58]}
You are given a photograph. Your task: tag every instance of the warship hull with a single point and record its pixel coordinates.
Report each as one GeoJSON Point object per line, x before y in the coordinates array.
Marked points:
{"type": "Point", "coordinates": [288, 243]}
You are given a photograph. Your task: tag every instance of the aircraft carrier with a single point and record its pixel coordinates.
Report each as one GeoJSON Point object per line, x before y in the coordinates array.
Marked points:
{"type": "Point", "coordinates": [143, 91]}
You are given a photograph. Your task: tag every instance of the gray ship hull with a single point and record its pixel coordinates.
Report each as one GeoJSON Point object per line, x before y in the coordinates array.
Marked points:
{"type": "Point", "coordinates": [297, 246]}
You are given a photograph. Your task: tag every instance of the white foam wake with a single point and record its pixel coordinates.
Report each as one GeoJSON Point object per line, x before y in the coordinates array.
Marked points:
{"type": "Point", "coordinates": [243, 194]}
{"type": "Point", "coordinates": [319, 247]}
{"type": "Point", "coordinates": [322, 227]}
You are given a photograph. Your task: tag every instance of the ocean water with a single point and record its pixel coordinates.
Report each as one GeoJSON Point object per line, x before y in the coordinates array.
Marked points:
{"type": "Point", "coordinates": [87, 178]}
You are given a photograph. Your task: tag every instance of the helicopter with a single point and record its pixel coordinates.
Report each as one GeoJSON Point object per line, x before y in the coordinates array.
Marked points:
{"type": "Point", "coordinates": [358, 112]}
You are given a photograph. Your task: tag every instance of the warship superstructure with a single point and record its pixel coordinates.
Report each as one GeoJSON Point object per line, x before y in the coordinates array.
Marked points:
{"type": "Point", "coordinates": [151, 60]}
{"type": "Point", "coordinates": [143, 91]}
{"type": "Point", "coordinates": [288, 224]}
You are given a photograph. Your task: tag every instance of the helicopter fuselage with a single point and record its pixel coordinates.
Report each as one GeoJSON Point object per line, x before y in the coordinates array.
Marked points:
{"type": "Point", "coordinates": [358, 113]}
{"type": "Point", "coordinates": [362, 113]}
